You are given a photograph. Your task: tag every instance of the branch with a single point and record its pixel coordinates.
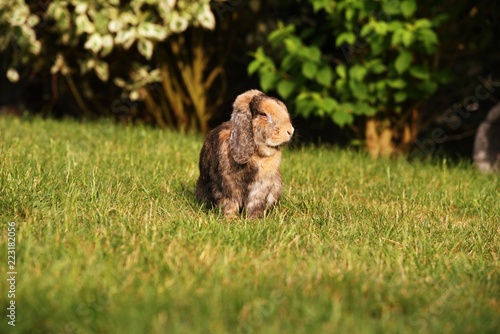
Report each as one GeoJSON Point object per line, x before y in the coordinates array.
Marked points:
{"type": "Point", "coordinates": [462, 135]}
{"type": "Point", "coordinates": [76, 94]}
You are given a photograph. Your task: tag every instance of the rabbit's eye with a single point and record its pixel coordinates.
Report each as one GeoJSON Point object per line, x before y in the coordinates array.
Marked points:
{"type": "Point", "coordinates": [266, 117]}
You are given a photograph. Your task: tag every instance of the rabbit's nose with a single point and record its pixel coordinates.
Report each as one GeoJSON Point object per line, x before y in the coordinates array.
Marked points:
{"type": "Point", "coordinates": [290, 131]}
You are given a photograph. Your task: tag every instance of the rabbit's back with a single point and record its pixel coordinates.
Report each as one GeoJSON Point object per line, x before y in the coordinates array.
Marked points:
{"type": "Point", "coordinates": [220, 175]}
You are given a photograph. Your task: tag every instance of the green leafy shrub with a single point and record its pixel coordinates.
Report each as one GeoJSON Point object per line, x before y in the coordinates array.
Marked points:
{"type": "Point", "coordinates": [370, 62]}
{"type": "Point", "coordinates": [128, 44]}
{"type": "Point", "coordinates": [17, 35]}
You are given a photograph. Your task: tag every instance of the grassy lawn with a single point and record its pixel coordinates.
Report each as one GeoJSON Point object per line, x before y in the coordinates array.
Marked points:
{"type": "Point", "coordinates": [110, 239]}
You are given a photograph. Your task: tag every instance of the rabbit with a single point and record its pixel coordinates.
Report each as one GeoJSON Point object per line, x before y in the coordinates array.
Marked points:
{"type": "Point", "coordinates": [240, 159]}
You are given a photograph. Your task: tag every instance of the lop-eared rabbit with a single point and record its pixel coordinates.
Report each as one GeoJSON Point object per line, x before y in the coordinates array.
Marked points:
{"type": "Point", "coordinates": [240, 159]}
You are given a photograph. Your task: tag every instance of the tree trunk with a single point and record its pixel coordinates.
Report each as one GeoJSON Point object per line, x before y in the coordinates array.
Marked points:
{"type": "Point", "coordinates": [379, 138]}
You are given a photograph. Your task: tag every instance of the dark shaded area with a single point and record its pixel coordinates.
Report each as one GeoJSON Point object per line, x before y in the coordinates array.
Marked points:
{"type": "Point", "coordinates": [470, 52]}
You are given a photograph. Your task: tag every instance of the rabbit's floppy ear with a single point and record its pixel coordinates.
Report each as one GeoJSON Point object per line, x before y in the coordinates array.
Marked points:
{"type": "Point", "coordinates": [241, 143]}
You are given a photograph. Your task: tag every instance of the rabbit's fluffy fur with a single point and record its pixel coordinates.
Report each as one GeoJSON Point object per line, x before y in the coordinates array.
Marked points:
{"type": "Point", "coordinates": [240, 159]}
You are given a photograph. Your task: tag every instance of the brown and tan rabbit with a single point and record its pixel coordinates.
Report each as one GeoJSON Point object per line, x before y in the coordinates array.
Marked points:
{"type": "Point", "coordinates": [240, 159]}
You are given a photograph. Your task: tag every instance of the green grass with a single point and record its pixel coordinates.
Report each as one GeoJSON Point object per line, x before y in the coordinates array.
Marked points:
{"type": "Point", "coordinates": [110, 239]}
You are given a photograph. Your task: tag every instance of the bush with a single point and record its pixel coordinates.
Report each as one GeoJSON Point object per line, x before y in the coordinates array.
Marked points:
{"type": "Point", "coordinates": [370, 65]}
{"type": "Point", "coordinates": [155, 51]}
